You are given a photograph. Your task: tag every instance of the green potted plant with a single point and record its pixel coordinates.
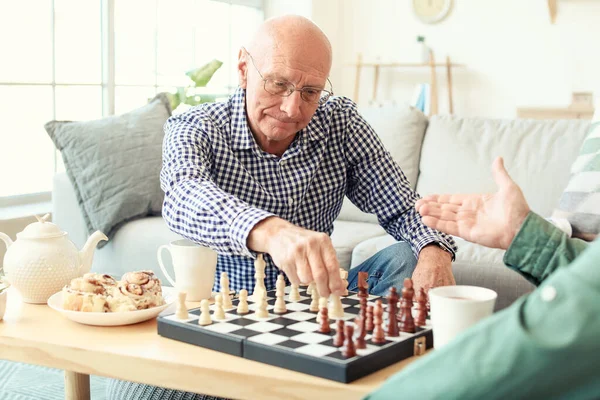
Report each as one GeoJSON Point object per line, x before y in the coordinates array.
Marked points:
{"type": "Point", "coordinates": [199, 78]}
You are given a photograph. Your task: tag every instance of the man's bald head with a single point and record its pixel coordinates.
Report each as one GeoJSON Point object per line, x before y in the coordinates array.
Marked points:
{"type": "Point", "coordinates": [292, 36]}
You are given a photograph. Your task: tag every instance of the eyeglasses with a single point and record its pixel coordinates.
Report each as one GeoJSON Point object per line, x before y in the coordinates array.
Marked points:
{"type": "Point", "coordinates": [285, 89]}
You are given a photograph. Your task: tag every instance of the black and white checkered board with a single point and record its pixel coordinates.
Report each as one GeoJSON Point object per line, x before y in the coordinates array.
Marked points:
{"type": "Point", "coordinates": [292, 340]}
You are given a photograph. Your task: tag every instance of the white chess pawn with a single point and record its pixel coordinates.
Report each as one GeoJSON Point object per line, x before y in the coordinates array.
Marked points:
{"type": "Point", "coordinates": [219, 313]}
{"type": "Point", "coordinates": [310, 288]}
{"type": "Point", "coordinates": [204, 313]}
{"type": "Point", "coordinates": [336, 310]}
{"type": "Point", "coordinates": [182, 312]}
{"type": "Point", "coordinates": [261, 311]}
{"type": "Point", "coordinates": [314, 304]}
{"type": "Point", "coordinates": [280, 307]}
{"type": "Point", "coordinates": [242, 307]}
{"type": "Point", "coordinates": [322, 304]}
{"type": "Point", "coordinates": [294, 293]}
{"type": "Point", "coordinates": [224, 283]}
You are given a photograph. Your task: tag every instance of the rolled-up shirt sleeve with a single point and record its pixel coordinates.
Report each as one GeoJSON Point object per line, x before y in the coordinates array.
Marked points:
{"type": "Point", "coordinates": [194, 206]}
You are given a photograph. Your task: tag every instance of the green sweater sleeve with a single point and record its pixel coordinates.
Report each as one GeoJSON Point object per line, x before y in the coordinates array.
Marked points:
{"type": "Point", "coordinates": [544, 346]}
{"type": "Point", "coordinates": [539, 248]}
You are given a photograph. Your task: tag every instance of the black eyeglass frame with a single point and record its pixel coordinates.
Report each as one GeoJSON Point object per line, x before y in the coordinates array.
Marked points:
{"type": "Point", "coordinates": [291, 88]}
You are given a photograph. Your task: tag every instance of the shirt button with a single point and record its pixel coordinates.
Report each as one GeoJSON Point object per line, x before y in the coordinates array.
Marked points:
{"type": "Point", "coordinates": [548, 293]}
{"type": "Point", "coordinates": [290, 200]}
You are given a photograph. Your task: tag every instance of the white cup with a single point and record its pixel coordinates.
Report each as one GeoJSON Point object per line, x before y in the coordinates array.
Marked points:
{"type": "Point", "coordinates": [456, 308]}
{"type": "Point", "coordinates": [194, 268]}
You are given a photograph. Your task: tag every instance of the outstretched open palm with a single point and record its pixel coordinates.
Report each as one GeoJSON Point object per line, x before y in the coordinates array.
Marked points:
{"type": "Point", "coordinates": [490, 219]}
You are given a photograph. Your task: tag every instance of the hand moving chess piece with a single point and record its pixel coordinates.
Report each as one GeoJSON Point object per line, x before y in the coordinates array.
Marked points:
{"type": "Point", "coordinates": [323, 319]}
{"type": "Point", "coordinates": [338, 340]}
{"type": "Point", "coordinates": [182, 312]}
{"type": "Point", "coordinates": [259, 277]}
{"type": "Point", "coordinates": [378, 335]}
{"type": "Point", "coordinates": [219, 313]}
{"type": "Point", "coordinates": [406, 321]}
{"type": "Point", "coordinates": [294, 293]}
{"type": "Point", "coordinates": [392, 308]}
{"type": "Point", "coordinates": [242, 307]}
{"type": "Point", "coordinates": [261, 311]}
{"type": "Point", "coordinates": [204, 313]}
{"type": "Point", "coordinates": [280, 307]}
{"type": "Point", "coordinates": [224, 283]}
{"type": "Point", "coordinates": [421, 317]}
{"type": "Point", "coordinates": [349, 349]}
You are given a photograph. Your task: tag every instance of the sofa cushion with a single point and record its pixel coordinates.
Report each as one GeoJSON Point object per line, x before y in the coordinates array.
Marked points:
{"type": "Point", "coordinates": [401, 130]}
{"type": "Point", "coordinates": [580, 202]}
{"type": "Point", "coordinates": [458, 153]}
{"type": "Point", "coordinates": [114, 164]}
{"type": "Point", "coordinates": [347, 234]}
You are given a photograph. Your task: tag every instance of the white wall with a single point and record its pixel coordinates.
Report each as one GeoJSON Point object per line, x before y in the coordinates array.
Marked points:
{"type": "Point", "coordinates": [514, 55]}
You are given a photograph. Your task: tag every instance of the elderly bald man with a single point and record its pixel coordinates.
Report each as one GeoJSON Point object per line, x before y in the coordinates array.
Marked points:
{"type": "Point", "coordinates": [267, 171]}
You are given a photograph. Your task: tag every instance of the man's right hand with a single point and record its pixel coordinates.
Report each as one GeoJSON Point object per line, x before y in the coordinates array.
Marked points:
{"type": "Point", "coordinates": [491, 219]}
{"type": "Point", "coordinates": [304, 255]}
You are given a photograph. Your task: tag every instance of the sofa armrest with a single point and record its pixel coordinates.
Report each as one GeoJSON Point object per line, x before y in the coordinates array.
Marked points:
{"type": "Point", "coordinates": [66, 212]}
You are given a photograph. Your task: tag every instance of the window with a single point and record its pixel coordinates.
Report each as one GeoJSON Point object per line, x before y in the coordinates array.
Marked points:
{"type": "Point", "coordinates": [81, 60]}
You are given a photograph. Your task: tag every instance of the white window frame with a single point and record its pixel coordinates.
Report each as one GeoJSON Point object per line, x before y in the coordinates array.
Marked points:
{"type": "Point", "coordinates": [107, 82]}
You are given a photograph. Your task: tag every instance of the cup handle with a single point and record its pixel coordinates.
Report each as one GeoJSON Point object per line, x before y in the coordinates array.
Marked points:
{"type": "Point", "coordinates": [162, 267]}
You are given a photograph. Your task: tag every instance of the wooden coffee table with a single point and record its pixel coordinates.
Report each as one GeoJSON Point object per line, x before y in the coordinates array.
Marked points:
{"type": "Point", "coordinates": [36, 334]}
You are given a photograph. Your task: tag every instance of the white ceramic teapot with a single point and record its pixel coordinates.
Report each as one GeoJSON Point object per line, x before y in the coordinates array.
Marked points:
{"type": "Point", "coordinates": [43, 260]}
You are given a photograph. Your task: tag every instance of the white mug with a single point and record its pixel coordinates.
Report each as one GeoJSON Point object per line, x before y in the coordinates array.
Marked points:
{"type": "Point", "coordinates": [456, 308]}
{"type": "Point", "coordinates": [194, 266]}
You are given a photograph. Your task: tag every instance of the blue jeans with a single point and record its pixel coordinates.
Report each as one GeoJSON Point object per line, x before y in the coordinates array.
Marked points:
{"type": "Point", "coordinates": [387, 268]}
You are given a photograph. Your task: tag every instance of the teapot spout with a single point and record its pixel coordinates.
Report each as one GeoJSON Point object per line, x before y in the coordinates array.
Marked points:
{"type": "Point", "coordinates": [86, 254]}
{"type": "Point", "coordinates": [6, 239]}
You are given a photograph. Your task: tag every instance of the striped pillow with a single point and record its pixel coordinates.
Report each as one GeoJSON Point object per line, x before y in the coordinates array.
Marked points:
{"type": "Point", "coordinates": [580, 202]}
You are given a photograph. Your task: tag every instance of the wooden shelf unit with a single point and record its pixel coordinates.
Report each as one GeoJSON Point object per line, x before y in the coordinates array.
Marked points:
{"type": "Point", "coordinates": [432, 65]}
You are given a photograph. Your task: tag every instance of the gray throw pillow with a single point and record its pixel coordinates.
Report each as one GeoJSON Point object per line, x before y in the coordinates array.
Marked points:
{"type": "Point", "coordinates": [114, 164]}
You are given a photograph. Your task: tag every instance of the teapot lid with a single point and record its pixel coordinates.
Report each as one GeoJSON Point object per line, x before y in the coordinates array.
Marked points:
{"type": "Point", "coordinates": [41, 229]}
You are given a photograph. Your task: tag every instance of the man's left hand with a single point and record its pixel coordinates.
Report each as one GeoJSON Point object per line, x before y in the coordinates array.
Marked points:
{"type": "Point", "coordinates": [434, 268]}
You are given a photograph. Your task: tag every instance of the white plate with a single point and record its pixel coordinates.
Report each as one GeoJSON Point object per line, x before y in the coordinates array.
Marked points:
{"type": "Point", "coordinates": [116, 318]}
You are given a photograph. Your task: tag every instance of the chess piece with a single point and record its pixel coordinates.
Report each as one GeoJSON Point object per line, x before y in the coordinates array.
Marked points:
{"type": "Point", "coordinates": [314, 304]}
{"type": "Point", "coordinates": [369, 324]}
{"type": "Point", "coordinates": [219, 312]}
{"type": "Point", "coordinates": [336, 310]}
{"type": "Point", "coordinates": [322, 303]}
{"type": "Point", "coordinates": [378, 335]}
{"type": "Point", "coordinates": [406, 322]}
{"type": "Point", "coordinates": [360, 337]}
{"type": "Point", "coordinates": [204, 313]}
{"type": "Point", "coordinates": [294, 293]}
{"type": "Point", "coordinates": [363, 284]}
{"type": "Point", "coordinates": [242, 307]}
{"type": "Point", "coordinates": [392, 305]}
{"type": "Point", "coordinates": [261, 311]}
{"type": "Point", "coordinates": [344, 276]}
{"type": "Point", "coordinates": [323, 317]}
{"type": "Point", "coordinates": [224, 283]}
{"type": "Point", "coordinates": [349, 349]}
{"type": "Point", "coordinates": [362, 303]}
{"type": "Point", "coordinates": [310, 288]}
{"type": "Point", "coordinates": [280, 307]}
{"type": "Point", "coordinates": [421, 317]}
{"type": "Point", "coordinates": [259, 277]}
{"type": "Point", "coordinates": [338, 340]}
{"type": "Point", "coordinates": [181, 312]}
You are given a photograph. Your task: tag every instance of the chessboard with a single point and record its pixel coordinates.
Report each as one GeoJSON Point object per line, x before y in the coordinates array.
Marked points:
{"type": "Point", "coordinates": [292, 339]}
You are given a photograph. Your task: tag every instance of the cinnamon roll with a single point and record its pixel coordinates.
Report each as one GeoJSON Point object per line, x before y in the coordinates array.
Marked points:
{"type": "Point", "coordinates": [132, 296]}
{"type": "Point", "coordinates": [88, 293]}
{"type": "Point", "coordinates": [145, 279]}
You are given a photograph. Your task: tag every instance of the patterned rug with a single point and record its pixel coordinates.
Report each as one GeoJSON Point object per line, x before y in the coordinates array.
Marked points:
{"type": "Point", "coordinates": [29, 382]}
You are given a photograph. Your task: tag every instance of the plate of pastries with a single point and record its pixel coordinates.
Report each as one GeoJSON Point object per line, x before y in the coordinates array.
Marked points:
{"type": "Point", "coordinates": [100, 299]}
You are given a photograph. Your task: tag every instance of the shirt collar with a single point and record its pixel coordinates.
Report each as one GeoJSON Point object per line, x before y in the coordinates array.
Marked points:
{"type": "Point", "coordinates": [242, 138]}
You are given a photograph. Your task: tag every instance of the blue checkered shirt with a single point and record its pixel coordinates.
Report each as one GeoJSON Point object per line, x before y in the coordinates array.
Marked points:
{"type": "Point", "coordinates": [219, 184]}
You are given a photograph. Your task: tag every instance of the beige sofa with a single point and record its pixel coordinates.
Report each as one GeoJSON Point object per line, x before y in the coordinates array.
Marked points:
{"type": "Point", "coordinates": [442, 154]}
